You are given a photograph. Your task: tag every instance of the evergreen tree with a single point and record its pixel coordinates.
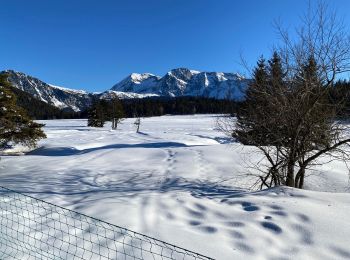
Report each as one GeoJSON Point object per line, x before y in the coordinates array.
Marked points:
{"type": "Point", "coordinates": [276, 73]}
{"type": "Point", "coordinates": [266, 95]}
{"type": "Point", "coordinates": [96, 114]}
{"type": "Point", "coordinates": [291, 120]}
{"type": "Point", "coordinates": [15, 125]}
{"type": "Point", "coordinates": [249, 117]}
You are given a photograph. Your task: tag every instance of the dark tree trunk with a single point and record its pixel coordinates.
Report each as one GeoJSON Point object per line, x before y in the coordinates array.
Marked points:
{"type": "Point", "coordinates": [114, 123]}
{"type": "Point", "coordinates": [290, 174]}
{"type": "Point", "coordinates": [301, 183]}
{"type": "Point", "coordinates": [299, 178]}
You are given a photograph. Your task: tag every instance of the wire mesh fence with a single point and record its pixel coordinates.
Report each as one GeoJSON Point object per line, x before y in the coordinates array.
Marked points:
{"type": "Point", "coordinates": [34, 229]}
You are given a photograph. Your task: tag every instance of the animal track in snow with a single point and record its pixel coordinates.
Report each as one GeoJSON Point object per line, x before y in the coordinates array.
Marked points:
{"type": "Point", "coordinates": [170, 160]}
{"type": "Point", "coordinates": [203, 166]}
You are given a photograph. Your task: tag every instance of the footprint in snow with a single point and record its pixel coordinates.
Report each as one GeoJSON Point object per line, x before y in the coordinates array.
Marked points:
{"type": "Point", "coordinates": [271, 227]}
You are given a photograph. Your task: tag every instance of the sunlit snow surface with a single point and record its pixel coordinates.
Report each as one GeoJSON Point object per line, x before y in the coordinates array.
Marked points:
{"type": "Point", "coordinates": [179, 181]}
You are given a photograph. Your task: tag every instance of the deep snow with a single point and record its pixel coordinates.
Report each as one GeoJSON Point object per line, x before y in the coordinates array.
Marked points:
{"type": "Point", "coordinates": [179, 180]}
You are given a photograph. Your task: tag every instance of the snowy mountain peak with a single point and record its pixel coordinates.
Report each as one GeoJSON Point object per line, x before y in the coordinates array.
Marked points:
{"type": "Point", "coordinates": [195, 71]}
{"type": "Point", "coordinates": [138, 78]}
{"type": "Point", "coordinates": [186, 82]}
{"type": "Point", "coordinates": [137, 83]}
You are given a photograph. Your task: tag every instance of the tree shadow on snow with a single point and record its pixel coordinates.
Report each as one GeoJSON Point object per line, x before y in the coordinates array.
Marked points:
{"type": "Point", "coordinates": [67, 151]}
{"type": "Point", "coordinates": [85, 182]}
{"type": "Point", "coordinates": [220, 140]}
{"type": "Point", "coordinates": [200, 189]}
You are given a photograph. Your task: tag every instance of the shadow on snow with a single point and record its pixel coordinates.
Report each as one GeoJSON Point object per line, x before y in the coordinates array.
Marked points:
{"type": "Point", "coordinates": [67, 151]}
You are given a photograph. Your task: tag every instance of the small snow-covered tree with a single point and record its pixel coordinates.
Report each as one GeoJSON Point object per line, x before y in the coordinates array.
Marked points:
{"type": "Point", "coordinates": [15, 125]}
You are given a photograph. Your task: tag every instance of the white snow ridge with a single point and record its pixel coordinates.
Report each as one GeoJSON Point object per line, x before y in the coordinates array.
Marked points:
{"type": "Point", "coordinates": [180, 180]}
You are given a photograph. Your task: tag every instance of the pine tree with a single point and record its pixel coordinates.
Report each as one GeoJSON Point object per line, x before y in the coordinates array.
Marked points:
{"type": "Point", "coordinates": [266, 95]}
{"type": "Point", "coordinates": [249, 117]}
{"type": "Point", "coordinates": [96, 114]}
{"type": "Point", "coordinates": [276, 73]}
{"type": "Point", "coordinates": [291, 120]}
{"type": "Point", "coordinates": [15, 125]}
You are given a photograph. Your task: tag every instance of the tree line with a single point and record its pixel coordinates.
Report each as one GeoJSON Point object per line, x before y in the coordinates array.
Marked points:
{"type": "Point", "coordinates": [145, 107]}
{"type": "Point", "coordinates": [115, 109]}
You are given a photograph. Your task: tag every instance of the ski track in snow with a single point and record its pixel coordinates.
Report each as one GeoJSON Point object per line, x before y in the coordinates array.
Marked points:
{"type": "Point", "coordinates": [175, 181]}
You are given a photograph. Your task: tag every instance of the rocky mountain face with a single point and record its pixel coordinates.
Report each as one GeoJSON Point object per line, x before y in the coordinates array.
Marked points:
{"type": "Point", "coordinates": [185, 82]}
{"type": "Point", "coordinates": [59, 97]}
{"type": "Point", "coordinates": [177, 82]}
{"type": "Point", "coordinates": [138, 83]}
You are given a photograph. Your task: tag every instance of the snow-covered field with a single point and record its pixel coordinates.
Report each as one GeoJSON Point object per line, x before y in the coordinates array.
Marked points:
{"type": "Point", "coordinates": [179, 181]}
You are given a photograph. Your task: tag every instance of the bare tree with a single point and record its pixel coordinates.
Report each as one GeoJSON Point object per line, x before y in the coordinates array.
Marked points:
{"type": "Point", "coordinates": [117, 112]}
{"type": "Point", "coordinates": [288, 113]}
{"type": "Point", "coordinates": [322, 36]}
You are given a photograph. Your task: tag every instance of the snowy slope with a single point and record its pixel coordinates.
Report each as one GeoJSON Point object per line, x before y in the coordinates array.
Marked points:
{"type": "Point", "coordinates": [73, 91]}
{"type": "Point", "coordinates": [57, 96]}
{"type": "Point", "coordinates": [110, 94]}
{"type": "Point", "coordinates": [180, 180]}
{"type": "Point", "coordinates": [185, 82]}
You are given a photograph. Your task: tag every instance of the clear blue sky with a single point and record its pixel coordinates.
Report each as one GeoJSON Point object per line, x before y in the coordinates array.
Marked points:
{"type": "Point", "coordinates": [91, 45]}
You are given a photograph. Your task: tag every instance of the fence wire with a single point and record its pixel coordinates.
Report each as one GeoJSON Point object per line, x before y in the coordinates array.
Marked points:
{"type": "Point", "coordinates": [34, 229]}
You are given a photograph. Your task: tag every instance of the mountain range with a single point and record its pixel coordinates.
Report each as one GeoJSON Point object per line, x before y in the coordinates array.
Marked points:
{"type": "Point", "coordinates": [176, 83]}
